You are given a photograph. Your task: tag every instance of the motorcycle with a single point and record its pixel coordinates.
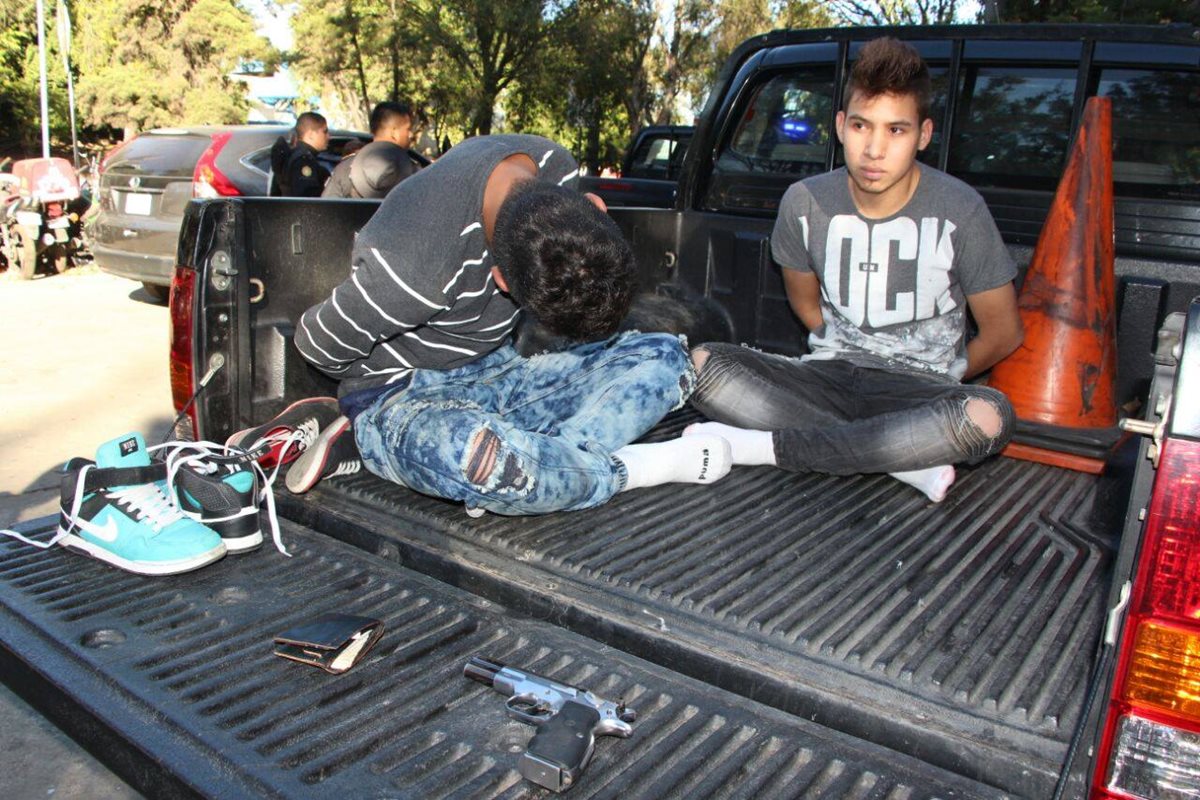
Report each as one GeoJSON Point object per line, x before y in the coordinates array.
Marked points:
{"type": "Point", "coordinates": [40, 211]}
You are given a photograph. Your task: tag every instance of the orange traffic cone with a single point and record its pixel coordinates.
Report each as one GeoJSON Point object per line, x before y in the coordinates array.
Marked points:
{"type": "Point", "coordinates": [1064, 374]}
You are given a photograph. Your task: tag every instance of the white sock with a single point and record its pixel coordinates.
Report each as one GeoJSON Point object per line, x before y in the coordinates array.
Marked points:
{"type": "Point", "coordinates": [750, 448]}
{"type": "Point", "coordinates": [692, 459]}
{"type": "Point", "coordinates": [934, 481]}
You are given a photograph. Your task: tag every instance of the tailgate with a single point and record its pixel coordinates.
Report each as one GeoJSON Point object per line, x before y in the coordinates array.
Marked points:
{"type": "Point", "coordinates": [172, 682]}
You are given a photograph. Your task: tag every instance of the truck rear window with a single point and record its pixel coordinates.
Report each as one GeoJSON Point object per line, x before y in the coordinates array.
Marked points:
{"type": "Point", "coordinates": [1156, 131]}
{"type": "Point", "coordinates": [1012, 126]}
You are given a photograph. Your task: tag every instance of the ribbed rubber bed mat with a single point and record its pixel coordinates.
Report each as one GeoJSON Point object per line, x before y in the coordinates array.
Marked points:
{"type": "Point", "coordinates": [173, 681]}
{"type": "Point", "coordinates": [962, 632]}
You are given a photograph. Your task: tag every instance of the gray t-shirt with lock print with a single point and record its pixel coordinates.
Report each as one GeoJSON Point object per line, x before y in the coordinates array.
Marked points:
{"type": "Point", "coordinates": [893, 290]}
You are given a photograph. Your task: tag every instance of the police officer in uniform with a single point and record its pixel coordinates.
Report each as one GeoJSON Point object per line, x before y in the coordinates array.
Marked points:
{"type": "Point", "coordinates": [304, 175]}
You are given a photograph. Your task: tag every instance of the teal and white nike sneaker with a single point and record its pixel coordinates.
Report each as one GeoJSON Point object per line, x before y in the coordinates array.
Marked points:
{"type": "Point", "coordinates": [116, 510]}
{"type": "Point", "coordinates": [221, 487]}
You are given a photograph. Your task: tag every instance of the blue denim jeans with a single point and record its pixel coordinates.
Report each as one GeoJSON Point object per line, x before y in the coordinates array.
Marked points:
{"type": "Point", "coordinates": [837, 417]}
{"type": "Point", "coordinates": [520, 435]}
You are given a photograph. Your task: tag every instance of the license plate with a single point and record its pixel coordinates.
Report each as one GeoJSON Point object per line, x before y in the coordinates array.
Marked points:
{"type": "Point", "coordinates": [137, 203]}
{"type": "Point", "coordinates": [61, 222]}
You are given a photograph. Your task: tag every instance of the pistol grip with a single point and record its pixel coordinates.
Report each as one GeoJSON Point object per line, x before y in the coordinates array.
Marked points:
{"type": "Point", "coordinates": [561, 748]}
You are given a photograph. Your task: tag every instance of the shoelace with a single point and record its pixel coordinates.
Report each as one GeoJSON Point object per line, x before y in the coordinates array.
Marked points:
{"type": "Point", "coordinates": [301, 437]}
{"type": "Point", "coordinates": [198, 455]}
{"type": "Point", "coordinates": [346, 468]}
{"type": "Point", "coordinates": [72, 515]}
{"type": "Point", "coordinates": [149, 504]}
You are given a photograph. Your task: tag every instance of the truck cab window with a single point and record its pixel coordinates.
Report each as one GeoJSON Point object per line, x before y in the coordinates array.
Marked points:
{"type": "Point", "coordinates": [1156, 131]}
{"type": "Point", "coordinates": [782, 134]}
{"type": "Point", "coordinates": [1012, 126]}
{"type": "Point", "coordinates": [786, 127]}
{"type": "Point", "coordinates": [653, 158]}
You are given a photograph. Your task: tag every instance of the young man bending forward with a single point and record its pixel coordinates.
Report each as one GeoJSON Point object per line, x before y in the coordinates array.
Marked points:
{"type": "Point", "coordinates": [419, 338]}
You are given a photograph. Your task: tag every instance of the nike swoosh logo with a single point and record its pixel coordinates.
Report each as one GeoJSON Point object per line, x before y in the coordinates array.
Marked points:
{"type": "Point", "coordinates": [108, 531]}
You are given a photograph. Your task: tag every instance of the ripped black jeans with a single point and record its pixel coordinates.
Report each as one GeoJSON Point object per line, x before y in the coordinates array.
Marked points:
{"type": "Point", "coordinates": [836, 417]}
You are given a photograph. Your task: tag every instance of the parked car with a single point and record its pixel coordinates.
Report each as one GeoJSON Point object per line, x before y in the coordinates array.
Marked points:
{"type": "Point", "coordinates": [650, 171]}
{"type": "Point", "coordinates": [147, 182]}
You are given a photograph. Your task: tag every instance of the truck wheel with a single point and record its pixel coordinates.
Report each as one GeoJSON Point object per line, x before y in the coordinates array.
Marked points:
{"type": "Point", "coordinates": [158, 294]}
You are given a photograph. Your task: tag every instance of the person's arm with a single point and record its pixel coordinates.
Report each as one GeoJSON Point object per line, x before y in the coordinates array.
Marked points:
{"type": "Point", "coordinates": [1000, 328]}
{"type": "Point", "coordinates": [379, 301]}
{"type": "Point", "coordinates": [804, 296]}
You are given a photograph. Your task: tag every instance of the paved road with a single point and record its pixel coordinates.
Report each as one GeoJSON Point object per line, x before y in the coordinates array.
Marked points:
{"type": "Point", "coordinates": [83, 359]}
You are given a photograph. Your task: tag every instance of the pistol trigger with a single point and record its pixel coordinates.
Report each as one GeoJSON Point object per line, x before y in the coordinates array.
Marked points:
{"type": "Point", "coordinates": [527, 708]}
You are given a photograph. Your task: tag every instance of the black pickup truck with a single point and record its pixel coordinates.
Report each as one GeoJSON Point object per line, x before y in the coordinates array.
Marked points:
{"type": "Point", "coordinates": [780, 635]}
{"type": "Point", "coordinates": [650, 173]}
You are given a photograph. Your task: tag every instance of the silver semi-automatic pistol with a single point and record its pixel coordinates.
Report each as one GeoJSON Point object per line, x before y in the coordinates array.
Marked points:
{"type": "Point", "coordinates": [568, 719]}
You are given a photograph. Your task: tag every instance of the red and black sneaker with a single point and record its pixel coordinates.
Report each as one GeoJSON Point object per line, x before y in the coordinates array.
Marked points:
{"type": "Point", "coordinates": [284, 438]}
{"type": "Point", "coordinates": [333, 453]}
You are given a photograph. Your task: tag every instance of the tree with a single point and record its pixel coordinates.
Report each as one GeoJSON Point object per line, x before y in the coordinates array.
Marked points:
{"type": "Point", "coordinates": [681, 52]}
{"type": "Point", "coordinates": [20, 93]}
{"type": "Point", "coordinates": [1129, 11]}
{"type": "Point", "coordinates": [451, 60]}
{"type": "Point", "coordinates": [742, 19]}
{"type": "Point", "coordinates": [896, 12]}
{"type": "Point", "coordinates": [605, 44]}
{"type": "Point", "coordinates": [146, 64]}
{"type": "Point", "coordinates": [493, 42]}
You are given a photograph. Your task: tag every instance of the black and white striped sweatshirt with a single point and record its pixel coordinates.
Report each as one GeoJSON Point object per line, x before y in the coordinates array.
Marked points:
{"type": "Point", "coordinates": [420, 293]}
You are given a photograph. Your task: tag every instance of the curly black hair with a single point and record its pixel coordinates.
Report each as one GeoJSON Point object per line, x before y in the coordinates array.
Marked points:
{"type": "Point", "coordinates": [564, 260]}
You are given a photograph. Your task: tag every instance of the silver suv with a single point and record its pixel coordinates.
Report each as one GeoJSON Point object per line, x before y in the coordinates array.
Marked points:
{"type": "Point", "coordinates": [146, 183]}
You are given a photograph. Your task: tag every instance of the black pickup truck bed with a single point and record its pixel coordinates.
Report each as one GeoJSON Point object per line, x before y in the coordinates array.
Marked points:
{"type": "Point", "coordinates": [173, 684]}
{"type": "Point", "coordinates": [751, 623]}
{"type": "Point", "coordinates": [962, 633]}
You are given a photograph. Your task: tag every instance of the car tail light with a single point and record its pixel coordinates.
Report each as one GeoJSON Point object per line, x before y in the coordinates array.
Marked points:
{"type": "Point", "coordinates": [207, 180]}
{"type": "Point", "coordinates": [182, 357]}
{"type": "Point", "coordinates": [1151, 743]}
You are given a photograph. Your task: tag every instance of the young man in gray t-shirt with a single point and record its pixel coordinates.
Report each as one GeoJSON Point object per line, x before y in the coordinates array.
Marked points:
{"type": "Point", "coordinates": [881, 261]}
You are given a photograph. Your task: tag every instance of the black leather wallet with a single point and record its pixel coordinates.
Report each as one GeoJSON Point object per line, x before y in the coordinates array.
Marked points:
{"type": "Point", "coordinates": [333, 642]}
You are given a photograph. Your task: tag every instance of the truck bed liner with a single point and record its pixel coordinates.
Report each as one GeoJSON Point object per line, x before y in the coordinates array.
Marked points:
{"type": "Point", "coordinates": [171, 681]}
{"type": "Point", "coordinates": [961, 632]}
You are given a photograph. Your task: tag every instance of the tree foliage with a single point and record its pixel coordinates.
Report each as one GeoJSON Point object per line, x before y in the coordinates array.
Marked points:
{"type": "Point", "coordinates": [590, 72]}
{"type": "Point", "coordinates": [20, 106]}
{"type": "Point", "coordinates": [896, 12]}
{"type": "Point", "coordinates": [1128, 11]}
{"type": "Point", "coordinates": [144, 64]}
{"type": "Point", "coordinates": [587, 72]}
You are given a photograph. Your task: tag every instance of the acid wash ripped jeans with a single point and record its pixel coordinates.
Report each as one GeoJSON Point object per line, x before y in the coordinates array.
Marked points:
{"type": "Point", "coordinates": [835, 417]}
{"type": "Point", "coordinates": [518, 435]}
